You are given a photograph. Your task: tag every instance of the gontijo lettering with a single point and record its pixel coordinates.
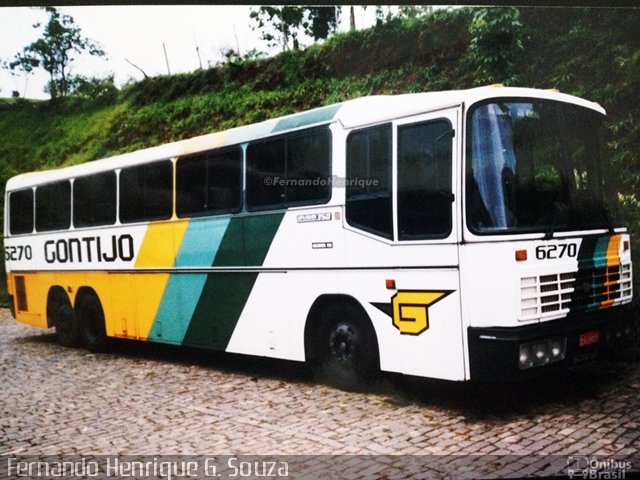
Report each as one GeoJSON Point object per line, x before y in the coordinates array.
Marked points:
{"type": "Point", "coordinates": [89, 249]}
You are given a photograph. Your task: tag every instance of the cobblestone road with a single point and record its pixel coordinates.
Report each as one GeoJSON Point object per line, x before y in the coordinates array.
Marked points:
{"type": "Point", "coordinates": [150, 400]}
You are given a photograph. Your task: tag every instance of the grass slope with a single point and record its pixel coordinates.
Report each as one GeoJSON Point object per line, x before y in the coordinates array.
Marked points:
{"type": "Point", "coordinates": [593, 53]}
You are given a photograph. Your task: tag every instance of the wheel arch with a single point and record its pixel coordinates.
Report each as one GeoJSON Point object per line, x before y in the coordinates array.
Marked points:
{"type": "Point", "coordinates": [83, 292]}
{"type": "Point", "coordinates": [92, 320]}
{"type": "Point", "coordinates": [313, 322]}
{"type": "Point", "coordinates": [57, 293]}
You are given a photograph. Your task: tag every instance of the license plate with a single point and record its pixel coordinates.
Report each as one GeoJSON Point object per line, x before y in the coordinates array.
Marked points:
{"type": "Point", "coordinates": [589, 338]}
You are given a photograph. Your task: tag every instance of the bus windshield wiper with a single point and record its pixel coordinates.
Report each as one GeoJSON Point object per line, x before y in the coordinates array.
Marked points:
{"type": "Point", "coordinates": [607, 218]}
{"type": "Point", "coordinates": [558, 209]}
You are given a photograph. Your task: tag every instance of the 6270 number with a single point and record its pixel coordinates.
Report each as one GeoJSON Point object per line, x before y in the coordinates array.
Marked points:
{"type": "Point", "coordinates": [16, 253]}
{"type": "Point", "coordinates": [552, 252]}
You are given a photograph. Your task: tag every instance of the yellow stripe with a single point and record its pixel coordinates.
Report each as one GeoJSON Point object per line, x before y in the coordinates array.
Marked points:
{"type": "Point", "coordinates": [161, 244]}
{"type": "Point", "coordinates": [613, 251]}
{"type": "Point", "coordinates": [202, 143]}
{"type": "Point", "coordinates": [36, 293]}
{"type": "Point", "coordinates": [130, 301]}
{"type": "Point", "coordinates": [159, 249]}
{"type": "Point", "coordinates": [613, 260]}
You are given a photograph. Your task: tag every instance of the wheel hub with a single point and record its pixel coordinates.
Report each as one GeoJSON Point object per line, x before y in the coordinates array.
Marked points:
{"type": "Point", "coordinates": [342, 343]}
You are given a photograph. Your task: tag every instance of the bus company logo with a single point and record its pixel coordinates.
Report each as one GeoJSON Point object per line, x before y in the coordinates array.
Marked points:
{"type": "Point", "coordinates": [409, 309]}
{"type": "Point", "coordinates": [592, 467]}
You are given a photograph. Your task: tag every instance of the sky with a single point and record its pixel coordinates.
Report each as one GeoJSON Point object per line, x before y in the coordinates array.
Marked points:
{"type": "Point", "coordinates": [137, 33]}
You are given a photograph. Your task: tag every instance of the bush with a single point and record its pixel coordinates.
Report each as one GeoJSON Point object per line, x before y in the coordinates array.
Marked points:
{"type": "Point", "coordinates": [497, 42]}
{"type": "Point", "coordinates": [98, 91]}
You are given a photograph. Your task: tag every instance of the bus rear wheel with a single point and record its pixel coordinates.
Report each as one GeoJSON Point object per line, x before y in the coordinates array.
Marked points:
{"type": "Point", "coordinates": [347, 348]}
{"type": "Point", "coordinates": [61, 316]}
{"type": "Point", "coordinates": [92, 326]}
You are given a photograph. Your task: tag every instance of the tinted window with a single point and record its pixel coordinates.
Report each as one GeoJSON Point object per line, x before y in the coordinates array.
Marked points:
{"type": "Point", "coordinates": [146, 192]}
{"type": "Point", "coordinates": [266, 172]}
{"type": "Point", "coordinates": [291, 170]}
{"type": "Point", "coordinates": [209, 183]}
{"type": "Point", "coordinates": [53, 206]}
{"type": "Point", "coordinates": [94, 200]}
{"type": "Point", "coordinates": [21, 212]}
{"type": "Point", "coordinates": [424, 180]}
{"type": "Point", "coordinates": [368, 192]}
{"type": "Point", "coordinates": [308, 164]}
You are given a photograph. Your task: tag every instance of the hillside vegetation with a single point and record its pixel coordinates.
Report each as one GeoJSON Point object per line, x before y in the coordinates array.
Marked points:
{"type": "Point", "coordinates": [593, 53]}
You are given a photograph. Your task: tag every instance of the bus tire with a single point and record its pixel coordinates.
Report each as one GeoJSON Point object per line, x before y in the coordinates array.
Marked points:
{"type": "Point", "coordinates": [61, 316]}
{"type": "Point", "coordinates": [347, 348]}
{"type": "Point", "coordinates": [91, 319]}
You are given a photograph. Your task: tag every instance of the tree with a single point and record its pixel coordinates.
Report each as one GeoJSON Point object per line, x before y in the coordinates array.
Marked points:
{"type": "Point", "coordinates": [55, 51]}
{"type": "Point", "coordinates": [414, 11]}
{"type": "Point", "coordinates": [323, 21]}
{"type": "Point", "coordinates": [98, 90]}
{"type": "Point", "coordinates": [281, 26]}
{"type": "Point", "coordinates": [379, 15]}
{"type": "Point", "coordinates": [497, 40]}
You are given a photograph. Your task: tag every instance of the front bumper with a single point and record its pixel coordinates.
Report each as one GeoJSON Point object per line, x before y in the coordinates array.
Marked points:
{"type": "Point", "coordinates": [494, 352]}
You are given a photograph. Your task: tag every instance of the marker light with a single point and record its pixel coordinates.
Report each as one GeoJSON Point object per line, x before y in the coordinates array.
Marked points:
{"type": "Point", "coordinates": [521, 255]}
{"type": "Point", "coordinates": [390, 283]}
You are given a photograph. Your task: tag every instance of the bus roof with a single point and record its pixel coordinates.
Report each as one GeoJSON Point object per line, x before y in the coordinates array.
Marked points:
{"type": "Point", "coordinates": [351, 113]}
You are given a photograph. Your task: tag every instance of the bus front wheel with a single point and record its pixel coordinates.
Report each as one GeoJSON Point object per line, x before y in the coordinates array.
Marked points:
{"type": "Point", "coordinates": [347, 348]}
{"type": "Point", "coordinates": [91, 319]}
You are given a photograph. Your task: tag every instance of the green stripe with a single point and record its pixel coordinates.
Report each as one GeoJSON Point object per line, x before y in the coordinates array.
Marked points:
{"type": "Point", "coordinates": [199, 248]}
{"type": "Point", "coordinates": [599, 264]}
{"type": "Point", "coordinates": [583, 276]}
{"type": "Point", "coordinates": [587, 252]}
{"type": "Point", "coordinates": [591, 256]}
{"type": "Point", "coordinates": [224, 295]}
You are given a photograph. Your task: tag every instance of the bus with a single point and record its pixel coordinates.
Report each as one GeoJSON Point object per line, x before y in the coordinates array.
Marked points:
{"type": "Point", "coordinates": [454, 235]}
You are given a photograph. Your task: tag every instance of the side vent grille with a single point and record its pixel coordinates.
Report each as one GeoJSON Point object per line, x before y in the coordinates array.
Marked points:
{"type": "Point", "coordinates": [21, 294]}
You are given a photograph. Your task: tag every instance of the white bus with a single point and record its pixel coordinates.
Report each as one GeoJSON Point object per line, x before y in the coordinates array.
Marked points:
{"type": "Point", "coordinates": [454, 235]}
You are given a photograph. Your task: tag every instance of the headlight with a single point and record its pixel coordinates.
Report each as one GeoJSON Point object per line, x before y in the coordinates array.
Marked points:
{"type": "Point", "coordinates": [542, 352]}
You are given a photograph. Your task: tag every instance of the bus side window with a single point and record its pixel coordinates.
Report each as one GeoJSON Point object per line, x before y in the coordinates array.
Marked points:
{"type": "Point", "coordinates": [21, 212]}
{"type": "Point", "coordinates": [368, 195]}
{"type": "Point", "coordinates": [308, 163]}
{"type": "Point", "coordinates": [209, 183]}
{"type": "Point", "coordinates": [94, 200]}
{"type": "Point", "coordinates": [53, 206]}
{"type": "Point", "coordinates": [290, 170]}
{"type": "Point", "coordinates": [266, 174]}
{"type": "Point", "coordinates": [424, 180]}
{"type": "Point", "coordinates": [146, 192]}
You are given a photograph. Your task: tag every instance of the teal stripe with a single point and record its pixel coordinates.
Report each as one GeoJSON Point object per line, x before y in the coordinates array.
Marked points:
{"type": "Point", "coordinates": [600, 253]}
{"type": "Point", "coordinates": [199, 248]}
{"type": "Point", "coordinates": [268, 127]}
{"type": "Point", "coordinates": [201, 242]}
{"type": "Point", "coordinates": [584, 276]}
{"type": "Point", "coordinates": [225, 295]}
{"type": "Point", "coordinates": [318, 115]}
{"type": "Point", "coordinates": [599, 261]}
{"type": "Point", "coordinates": [248, 132]}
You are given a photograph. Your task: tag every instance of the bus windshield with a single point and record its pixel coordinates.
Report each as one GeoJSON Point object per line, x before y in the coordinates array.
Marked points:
{"type": "Point", "coordinates": [534, 166]}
